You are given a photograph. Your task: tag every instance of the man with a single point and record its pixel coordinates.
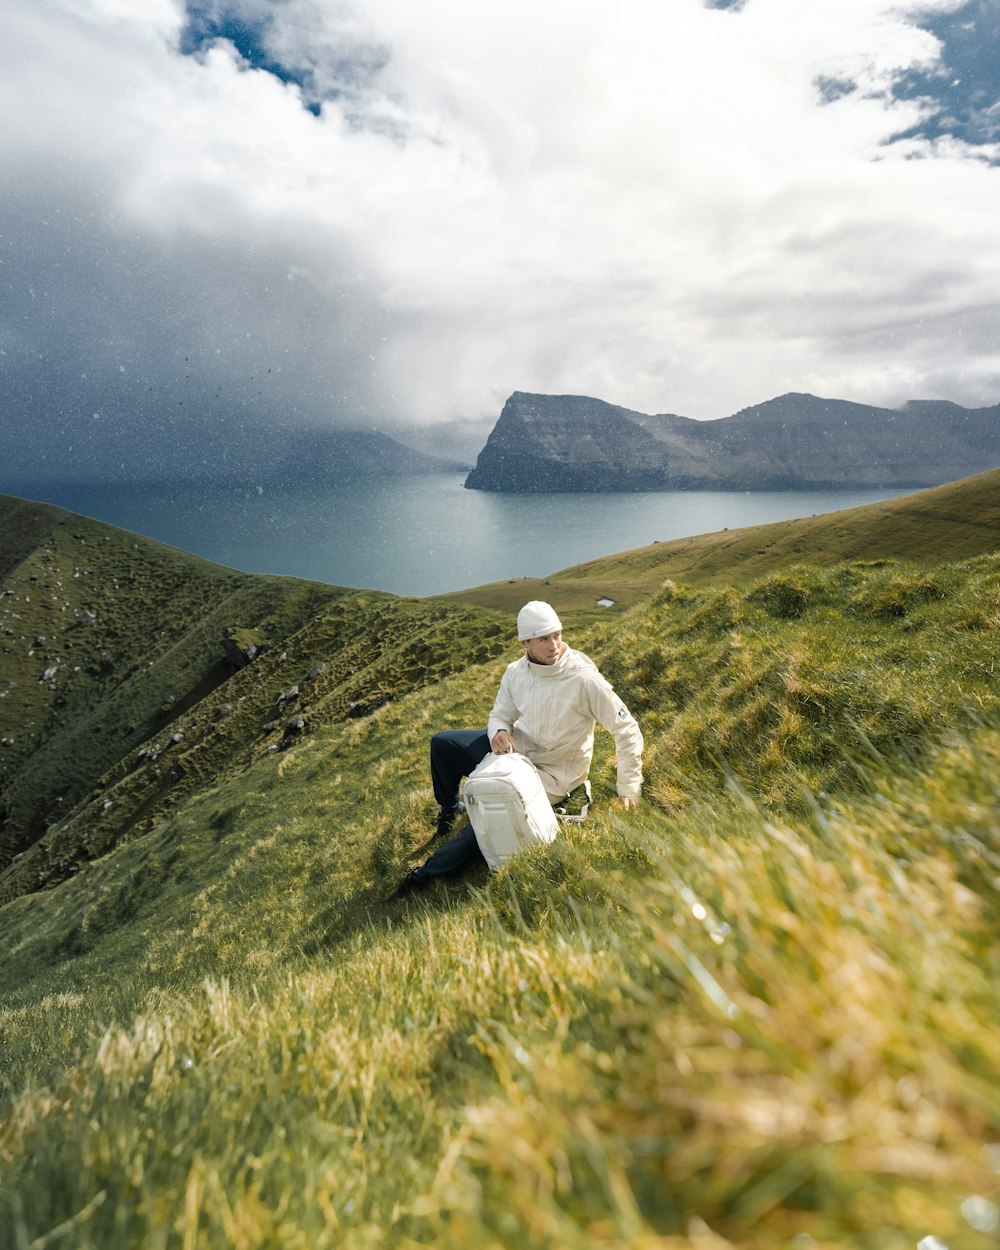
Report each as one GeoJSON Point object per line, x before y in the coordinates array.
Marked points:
{"type": "Point", "coordinates": [547, 707]}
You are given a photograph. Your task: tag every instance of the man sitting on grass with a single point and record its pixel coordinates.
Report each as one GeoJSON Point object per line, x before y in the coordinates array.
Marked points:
{"type": "Point", "coordinates": [547, 706]}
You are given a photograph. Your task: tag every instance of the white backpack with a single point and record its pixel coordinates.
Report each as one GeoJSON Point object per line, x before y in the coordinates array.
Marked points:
{"type": "Point", "coordinates": [508, 807]}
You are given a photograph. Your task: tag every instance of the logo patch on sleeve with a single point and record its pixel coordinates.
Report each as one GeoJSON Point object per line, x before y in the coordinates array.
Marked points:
{"type": "Point", "coordinates": [623, 713]}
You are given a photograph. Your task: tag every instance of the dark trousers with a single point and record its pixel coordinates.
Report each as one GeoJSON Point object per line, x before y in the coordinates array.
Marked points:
{"type": "Point", "coordinates": [460, 852]}
{"type": "Point", "coordinates": [454, 754]}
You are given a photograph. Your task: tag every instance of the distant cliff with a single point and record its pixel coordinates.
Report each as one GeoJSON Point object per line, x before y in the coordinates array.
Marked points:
{"type": "Point", "coordinates": [326, 455]}
{"type": "Point", "coordinates": [575, 443]}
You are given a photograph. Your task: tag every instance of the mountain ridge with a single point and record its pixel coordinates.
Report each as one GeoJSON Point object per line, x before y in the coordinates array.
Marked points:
{"type": "Point", "coordinates": [544, 443]}
{"type": "Point", "coordinates": [264, 455]}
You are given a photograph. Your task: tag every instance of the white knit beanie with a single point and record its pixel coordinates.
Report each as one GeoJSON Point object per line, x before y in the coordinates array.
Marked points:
{"type": "Point", "coordinates": [536, 619]}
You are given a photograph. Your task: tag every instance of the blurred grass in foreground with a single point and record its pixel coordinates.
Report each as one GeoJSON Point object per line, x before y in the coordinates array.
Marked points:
{"type": "Point", "coordinates": [782, 1033]}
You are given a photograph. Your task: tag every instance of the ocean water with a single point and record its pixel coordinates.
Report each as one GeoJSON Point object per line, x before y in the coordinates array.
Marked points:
{"type": "Point", "coordinates": [420, 535]}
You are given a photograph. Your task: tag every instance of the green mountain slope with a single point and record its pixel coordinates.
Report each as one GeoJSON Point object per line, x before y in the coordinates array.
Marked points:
{"type": "Point", "coordinates": [105, 640]}
{"type": "Point", "coordinates": [756, 1011]}
{"type": "Point", "coordinates": [25, 525]}
{"type": "Point", "coordinates": [118, 698]}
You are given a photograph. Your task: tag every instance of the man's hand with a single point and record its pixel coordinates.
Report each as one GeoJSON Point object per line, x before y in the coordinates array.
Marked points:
{"type": "Point", "coordinates": [624, 801]}
{"type": "Point", "coordinates": [502, 742]}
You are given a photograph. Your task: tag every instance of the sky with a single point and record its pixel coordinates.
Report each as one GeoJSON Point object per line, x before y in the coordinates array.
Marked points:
{"type": "Point", "coordinates": [225, 217]}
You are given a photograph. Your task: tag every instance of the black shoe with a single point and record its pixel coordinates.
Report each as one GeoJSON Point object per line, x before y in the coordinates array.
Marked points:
{"type": "Point", "coordinates": [410, 884]}
{"type": "Point", "coordinates": [446, 821]}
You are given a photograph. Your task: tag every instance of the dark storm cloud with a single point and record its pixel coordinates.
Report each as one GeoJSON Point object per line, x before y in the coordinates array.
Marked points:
{"type": "Point", "coordinates": [231, 219]}
{"type": "Point", "coordinates": [164, 353]}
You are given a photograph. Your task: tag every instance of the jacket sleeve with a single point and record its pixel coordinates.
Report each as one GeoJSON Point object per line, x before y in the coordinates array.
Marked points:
{"type": "Point", "coordinates": [612, 713]}
{"type": "Point", "coordinates": [504, 712]}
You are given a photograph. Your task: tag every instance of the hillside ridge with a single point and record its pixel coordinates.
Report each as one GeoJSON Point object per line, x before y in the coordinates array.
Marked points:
{"type": "Point", "coordinates": [132, 674]}
{"type": "Point", "coordinates": [948, 522]}
{"type": "Point", "coordinates": [119, 694]}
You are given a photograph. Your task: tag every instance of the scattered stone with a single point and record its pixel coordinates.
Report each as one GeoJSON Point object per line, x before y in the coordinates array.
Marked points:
{"type": "Point", "coordinates": [294, 730]}
{"type": "Point", "coordinates": [222, 711]}
{"type": "Point", "coordinates": [316, 671]}
{"type": "Point", "coordinates": [365, 707]}
{"type": "Point", "coordinates": [177, 737]}
{"type": "Point", "coordinates": [86, 617]}
{"type": "Point", "coordinates": [289, 696]}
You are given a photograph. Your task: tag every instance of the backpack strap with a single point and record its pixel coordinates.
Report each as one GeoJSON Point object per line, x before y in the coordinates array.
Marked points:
{"type": "Point", "coordinates": [574, 818]}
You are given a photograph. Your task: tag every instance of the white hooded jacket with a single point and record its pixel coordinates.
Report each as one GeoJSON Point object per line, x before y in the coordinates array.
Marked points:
{"type": "Point", "coordinates": [551, 709]}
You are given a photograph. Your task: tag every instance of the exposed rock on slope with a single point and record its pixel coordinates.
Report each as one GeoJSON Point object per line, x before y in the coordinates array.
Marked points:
{"type": "Point", "coordinates": [575, 443]}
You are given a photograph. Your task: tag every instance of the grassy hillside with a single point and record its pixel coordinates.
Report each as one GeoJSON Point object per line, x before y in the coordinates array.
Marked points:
{"type": "Point", "coordinates": [117, 699]}
{"type": "Point", "coordinates": [757, 1011]}
{"type": "Point", "coordinates": [25, 526]}
{"type": "Point", "coordinates": [945, 523]}
{"type": "Point", "coordinates": [106, 639]}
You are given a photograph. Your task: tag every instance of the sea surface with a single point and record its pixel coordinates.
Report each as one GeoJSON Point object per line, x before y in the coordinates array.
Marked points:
{"type": "Point", "coordinates": [420, 535]}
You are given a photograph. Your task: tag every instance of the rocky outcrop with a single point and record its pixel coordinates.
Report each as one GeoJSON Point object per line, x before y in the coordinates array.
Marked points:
{"type": "Point", "coordinates": [242, 647]}
{"type": "Point", "coordinates": [574, 443]}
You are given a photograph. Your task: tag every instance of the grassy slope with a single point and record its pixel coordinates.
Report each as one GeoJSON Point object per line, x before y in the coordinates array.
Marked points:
{"type": "Point", "coordinates": [105, 639]}
{"type": "Point", "coordinates": [761, 1006]}
{"type": "Point", "coordinates": [25, 526]}
{"type": "Point", "coordinates": [139, 708]}
{"type": "Point", "coordinates": [944, 523]}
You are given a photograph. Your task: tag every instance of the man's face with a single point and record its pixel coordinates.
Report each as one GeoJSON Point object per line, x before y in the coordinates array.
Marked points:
{"type": "Point", "coordinates": [545, 650]}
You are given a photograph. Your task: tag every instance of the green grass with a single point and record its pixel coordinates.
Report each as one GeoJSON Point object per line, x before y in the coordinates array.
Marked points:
{"type": "Point", "coordinates": [759, 1010]}
{"type": "Point", "coordinates": [955, 521]}
{"type": "Point", "coordinates": [108, 722]}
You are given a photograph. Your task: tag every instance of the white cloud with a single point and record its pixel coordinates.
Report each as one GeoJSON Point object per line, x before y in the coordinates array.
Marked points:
{"type": "Point", "coordinates": [647, 202]}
